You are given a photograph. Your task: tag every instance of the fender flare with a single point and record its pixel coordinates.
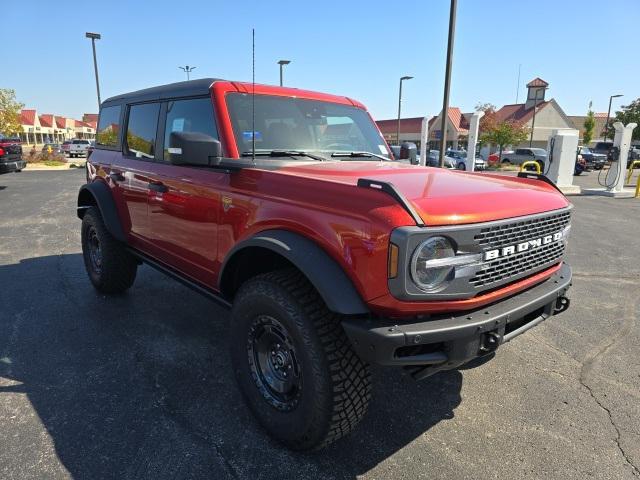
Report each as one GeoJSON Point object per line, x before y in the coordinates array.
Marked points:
{"type": "Point", "coordinates": [103, 198]}
{"type": "Point", "coordinates": [324, 273]}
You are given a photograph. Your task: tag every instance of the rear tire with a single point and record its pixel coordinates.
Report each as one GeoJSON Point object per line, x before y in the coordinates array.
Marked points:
{"type": "Point", "coordinates": [506, 161]}
{"type": "Point", "coordinates": [111, 268]}
{"type": "Point", "coordinates": [294, 364]}
{"type": "Point", "coordinates": [462, 166]}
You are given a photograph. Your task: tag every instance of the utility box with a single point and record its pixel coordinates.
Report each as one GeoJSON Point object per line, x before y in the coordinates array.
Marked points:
{"type": "Point", "coordinates": [562, 149]}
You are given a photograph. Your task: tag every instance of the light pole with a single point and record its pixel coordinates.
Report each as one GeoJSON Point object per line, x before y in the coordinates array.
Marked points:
{"type": "Point", "coordinates": [400, 106]}
{"type": "Point", "coordinates": [282, 63]}
{"type": "Point", "coordinates": [533, 120]}
{"type": "Point", "coordinates": [94, 37]}
{"type": "Point", "coordinates": [187, 69]}
{"type": "Point", "coordinates": [447, 80]}
{"type": "Point", "coordinates": [606, 125]}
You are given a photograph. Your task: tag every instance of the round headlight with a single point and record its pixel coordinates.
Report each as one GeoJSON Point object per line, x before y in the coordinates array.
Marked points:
{"type": "Point", "coordinates": [429, 276]}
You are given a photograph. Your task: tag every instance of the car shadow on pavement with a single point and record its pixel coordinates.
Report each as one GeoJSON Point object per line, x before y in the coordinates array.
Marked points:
{"type": "Point", "coordinates": [139, 386]}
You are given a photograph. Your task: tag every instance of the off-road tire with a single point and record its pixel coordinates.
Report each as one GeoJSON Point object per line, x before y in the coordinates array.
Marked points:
{"type": "Point", "coordinates": [117, 270]}
{"type": "Point", "coordinates": [336, 383]}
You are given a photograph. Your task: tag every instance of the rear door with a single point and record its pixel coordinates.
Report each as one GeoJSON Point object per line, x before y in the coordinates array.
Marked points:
{"type": "Point", "coordinates": [184, 209]}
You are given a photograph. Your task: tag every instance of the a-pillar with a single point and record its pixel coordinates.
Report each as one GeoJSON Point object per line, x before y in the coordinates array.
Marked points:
{"type": "Point", "coordinates": [474, 125]}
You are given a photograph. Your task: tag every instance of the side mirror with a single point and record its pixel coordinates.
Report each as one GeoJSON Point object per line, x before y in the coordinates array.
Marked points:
{"type": "Point", "coordinates": [409, 151]}
{"type": "Point", "coordinates": [194, 148]}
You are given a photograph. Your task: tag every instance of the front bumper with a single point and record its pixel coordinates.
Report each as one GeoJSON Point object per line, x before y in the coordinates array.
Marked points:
{"type": "Point", "coordinates": [445, 342]}
{"type": "Point", "coordinates": [6, 167]}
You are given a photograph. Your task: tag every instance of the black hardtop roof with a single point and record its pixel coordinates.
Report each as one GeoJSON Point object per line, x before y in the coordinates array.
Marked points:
{"type": "Point", "coordinates": [161, 92]}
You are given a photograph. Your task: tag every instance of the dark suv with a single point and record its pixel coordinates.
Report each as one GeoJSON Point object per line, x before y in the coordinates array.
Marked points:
{"type": "Point", "coordinates": [285, 206]}
{"type": "Point", "coordinates": [11, 155]}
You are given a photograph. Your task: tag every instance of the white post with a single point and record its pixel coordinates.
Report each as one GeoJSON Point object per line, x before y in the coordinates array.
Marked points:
{"type": "Point", "coordinates": [622, 140]}
{"type": "Point", "coordinates": [424, 140]}
{"type": "Point", "coordinates": [474, 125]}
{"type": "Point", "coordinates": [559, 168]}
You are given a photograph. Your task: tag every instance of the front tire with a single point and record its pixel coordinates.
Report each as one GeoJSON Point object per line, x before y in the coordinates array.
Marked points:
{"type": "Point", "coordinates": [111, 268]}
{"type": "Point", "coordinates": [294, 364]}
{"type": "Point", "coordinates": [462, 166]}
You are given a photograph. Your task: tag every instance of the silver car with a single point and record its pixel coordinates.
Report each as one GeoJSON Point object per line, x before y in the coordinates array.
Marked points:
{"type": "Point", "coordinates": [522, 155]}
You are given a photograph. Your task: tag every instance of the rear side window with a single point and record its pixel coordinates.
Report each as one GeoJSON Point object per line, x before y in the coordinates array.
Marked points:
{"type": "Point", "coordinates": [108, 127]}
{"type": "Point", "coordinates": [141, 130]}
{"type": "Point", "coordinates": [193, 115]}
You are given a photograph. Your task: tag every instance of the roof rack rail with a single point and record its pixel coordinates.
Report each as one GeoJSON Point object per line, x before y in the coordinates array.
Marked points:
{"type": "Point", "coordinates": [392, 191]}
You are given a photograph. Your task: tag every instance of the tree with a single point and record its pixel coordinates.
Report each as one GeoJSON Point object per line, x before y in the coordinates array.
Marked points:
{"type": "Point", "coordinates": [503, 133]}
{"type": "Point", "coordinates": [9, 112]}
{"type": "Point", "coordinates": [629, 114]}
{"type": "Point", "coordinates": [589, 125]}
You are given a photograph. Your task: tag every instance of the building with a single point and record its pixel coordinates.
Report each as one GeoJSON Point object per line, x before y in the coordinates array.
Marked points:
{"type": "Point", "coordinates": [546, 114]}
{"type": "Point", "coordinates": [411, 129]}
{"type": "Point", "coordinates": [50, 128]}
{"type": "Point", "coordinates": [598, 130]}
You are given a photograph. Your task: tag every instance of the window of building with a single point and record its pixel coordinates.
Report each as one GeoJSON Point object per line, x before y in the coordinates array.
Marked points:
{"type": "Point", "coordinates": [194, 115]}
{"type": "Point", "coordinates": [108, 127]}
{"type": "Point", "coordinates": [142, 127]}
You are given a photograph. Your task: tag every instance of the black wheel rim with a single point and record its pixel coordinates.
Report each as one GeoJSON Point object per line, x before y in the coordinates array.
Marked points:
{"type": "Point", "coordinates": [274, 363]}
{"type": "Point", "coordinates": [94, 250]}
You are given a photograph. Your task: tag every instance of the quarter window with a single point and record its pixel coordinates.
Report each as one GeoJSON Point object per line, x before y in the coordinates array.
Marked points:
{"type": "Point", "coordinates": [193, 115]}
{"type": "Point", "coordinates": [141, 130]}
{"type": "Point", "coordinates": [108, 127]}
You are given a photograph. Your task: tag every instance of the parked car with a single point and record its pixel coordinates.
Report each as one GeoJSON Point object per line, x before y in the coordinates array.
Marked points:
{"type": "Point", "coordinates": [494, 158]}
{"type": "Point", "coordinates": [78, 148]}
{"type": "Point", "coordinates": [602, 147]}
{"type": "Point", "coordinates": [92, 146]}
{"type": "Point", "coordinates": [460, 160]}
{"type": "Point", "coordinates": [56, 148]}
{"type": "Point", "coordinates": [592, 160]}
{"type": "Point", "coordinates": [433, 160]}
{"type": "Point", "coordinates": [11, 155]}
{"type": "Point", "coordinates": [327, 265]}
{"type": "Point", "coordinates": [522, 155]}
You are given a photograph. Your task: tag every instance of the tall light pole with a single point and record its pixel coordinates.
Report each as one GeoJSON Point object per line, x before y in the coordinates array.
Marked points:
{"type": "Point", "coordinates": [187, 69]}
{"type": "Point", "coordinates": [400, 106]}
{"type": "Point", "coordinates": [94, 37]}
{"type": "Point", "coordinates": [606, 125]}
{"type": "Point", "coordinates": [447, 80]}
{"type": "Point", "coordinates": [282, 63]}
{"type": "Point", "coordinates": [533, 121]}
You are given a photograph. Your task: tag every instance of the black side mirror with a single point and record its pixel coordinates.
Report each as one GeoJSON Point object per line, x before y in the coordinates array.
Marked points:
{"type": "Point", "coordinates": [409, 151]}
{"type": "Point", "coordinates": [194, 148]}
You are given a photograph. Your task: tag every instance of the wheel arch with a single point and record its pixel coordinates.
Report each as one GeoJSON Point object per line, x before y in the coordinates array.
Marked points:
{"type": "Point", "coordinates": [274, 249]}
{"type": "Point", "coordinates": [99, 195]}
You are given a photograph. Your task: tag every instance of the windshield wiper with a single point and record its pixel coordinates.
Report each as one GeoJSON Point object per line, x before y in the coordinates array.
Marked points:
{"type": "Point", "coordinates": [359, 155]}
{"type": "Point", "coordinates": [284, 153]}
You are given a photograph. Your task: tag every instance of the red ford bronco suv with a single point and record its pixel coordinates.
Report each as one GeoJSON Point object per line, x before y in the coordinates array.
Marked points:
{"type": "Point", "coordinates": [287, 207]}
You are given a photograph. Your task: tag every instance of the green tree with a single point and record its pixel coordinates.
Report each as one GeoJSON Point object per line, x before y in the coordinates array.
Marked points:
{"type": "Point", "coordinates": [628, 114]}
{"type": "Point", "coordinates": [9, 112]}
{"type": "Point", "coordinates": [503, 133]}
{"type": "Point", "coordinates": [589, 125]}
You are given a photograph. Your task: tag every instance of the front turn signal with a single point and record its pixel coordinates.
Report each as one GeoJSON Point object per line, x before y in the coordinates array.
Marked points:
{"type": "Point", "coordinates": [393, 260]}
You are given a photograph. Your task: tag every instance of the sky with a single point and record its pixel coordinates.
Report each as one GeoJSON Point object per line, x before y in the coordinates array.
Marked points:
{"type": "Point", "coordinates": [585, 49]}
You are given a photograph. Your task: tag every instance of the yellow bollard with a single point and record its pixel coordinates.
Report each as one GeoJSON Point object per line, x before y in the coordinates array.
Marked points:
{"type": "Point", "coordinates": [531, 162]}
{"type": "Point", "coordinates": [638, 188]}
{"type": "Point", "coordinates": [630, 172]}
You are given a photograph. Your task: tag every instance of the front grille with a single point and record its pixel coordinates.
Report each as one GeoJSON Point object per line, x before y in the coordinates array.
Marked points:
{"type": "Point", "coordinates": [519, 264]}
{"type": "Point", "coordinates": [501, 235]}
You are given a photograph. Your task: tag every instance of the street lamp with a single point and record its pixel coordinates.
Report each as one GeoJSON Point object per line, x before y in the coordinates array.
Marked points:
{"type": "Point", "coordinates": [400, 106]}
{"type": "Point", "coordinates": [187, 69]}
{"type": "Point", "coordinates": [447, 80]}
{"type": "Point", "coordinates": [94, 37]}
{"type": "Point", "coordinates": [533, 120]}
{"type": "Point", "coordinates": [282, 63]}
{"type": "Point", "coordinates": [606, 125]}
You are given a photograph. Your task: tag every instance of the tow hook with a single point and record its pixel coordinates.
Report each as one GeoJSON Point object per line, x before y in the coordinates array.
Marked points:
{"type": "Point", "coordinates": [561, 305]}
{"type": "Point", "coordinates": [490, 342]}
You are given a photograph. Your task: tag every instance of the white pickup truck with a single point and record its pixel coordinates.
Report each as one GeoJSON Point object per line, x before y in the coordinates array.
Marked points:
{"type": "Point", "coordinates": [76, 147]}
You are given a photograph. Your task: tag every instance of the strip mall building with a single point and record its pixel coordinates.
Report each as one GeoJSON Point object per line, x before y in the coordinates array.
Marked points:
{"type": "Point", "coordinates": [49, 128]}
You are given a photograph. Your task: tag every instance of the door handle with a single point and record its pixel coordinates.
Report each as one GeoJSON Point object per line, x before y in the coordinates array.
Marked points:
{"type": "Point", "coordinates": [116, 177]}
{"type": "Point", "coordinates": [158, 187]}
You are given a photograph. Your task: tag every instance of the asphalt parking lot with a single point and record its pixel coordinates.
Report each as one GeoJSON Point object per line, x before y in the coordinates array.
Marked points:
{"type": "Point", "coordinates": [139, 385]}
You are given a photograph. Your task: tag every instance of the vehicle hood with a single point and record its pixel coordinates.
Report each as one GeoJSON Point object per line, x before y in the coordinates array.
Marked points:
{"type": "Point", "coordinates": [445, 197]}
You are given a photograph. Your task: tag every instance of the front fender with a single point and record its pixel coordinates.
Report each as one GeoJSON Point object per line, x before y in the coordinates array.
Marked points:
{"type": "Point", "coordinates": [98, 194]}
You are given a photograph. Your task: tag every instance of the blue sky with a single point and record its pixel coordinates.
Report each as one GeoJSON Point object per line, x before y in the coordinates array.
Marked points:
{"type": "Point", "coordinates": [586, 49]}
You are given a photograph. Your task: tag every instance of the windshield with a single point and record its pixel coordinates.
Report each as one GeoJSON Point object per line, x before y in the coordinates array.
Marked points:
{"type": "Point", "coordinates": [585, 151]}
{"type": "Point", "coordinates": [287, 123]}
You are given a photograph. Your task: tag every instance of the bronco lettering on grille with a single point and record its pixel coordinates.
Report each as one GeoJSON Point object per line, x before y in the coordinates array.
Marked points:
{"type": "Point", "coordinates": [522, 247]}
